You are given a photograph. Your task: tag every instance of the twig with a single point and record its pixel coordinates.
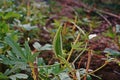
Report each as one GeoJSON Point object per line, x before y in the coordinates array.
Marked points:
{"type": "Point", "coordinates": [79, 63]}
{"type": "Point", "coordinates": [104, 18]}
{"type": "Point", "coordinates": [5, 3]}
{"type": "Point", "coordinates": [98, 10]}
{"type": "Point", "coordinates": [28, 9]}
{"type": "Point", "coordinates": [33, 72]}
{"type": "Point", "coordinates": [88, 63]}
{"type": "Point", "coordinates": [35, 67]}
{"type": "Point", "coordinates": [106, 62]}
{"type": "Point", "coordinates": [108, 13]}
{"type": "Point", "coordinates": [80, 53]}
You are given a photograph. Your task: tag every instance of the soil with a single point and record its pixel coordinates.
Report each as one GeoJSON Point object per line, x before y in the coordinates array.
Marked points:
{"type": "Point", "coordinates": [109, 72]}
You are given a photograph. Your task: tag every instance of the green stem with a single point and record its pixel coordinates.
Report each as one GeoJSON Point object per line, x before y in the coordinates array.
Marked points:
{"type": "Point", "coordinates": [71, 51]}
{"type": "Point", "coordinates": [106, 62]}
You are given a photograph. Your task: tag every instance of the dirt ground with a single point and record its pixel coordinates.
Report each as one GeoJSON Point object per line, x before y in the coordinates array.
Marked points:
{"type": "Point", "coordinates": [109, 72]}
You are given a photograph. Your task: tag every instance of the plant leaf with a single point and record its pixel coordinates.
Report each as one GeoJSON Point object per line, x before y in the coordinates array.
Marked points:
{"type": "Point", "coordinates": [27, 51]}
{"type": "Point", "coordinates": [2, 76]}
{"type": "Point", "coordinates": [33, 56]}
{"type": "Point", "coordinates": [89, 77]}
{"type": "Point", "coordinates": [17, 66]}
{"type": "Point", "coordinates": [18, 76]}
{"type": "Point", "coordinates": [57, 43]}
{"type": "Point", "coordinates": [64, 76]}
{"type": "Point", "coordinates": [37, 45]}
{"type": "Point", "coordinates": [112, 52]}
{"type": "Point", "coordinates": [16, 49]}
{"type": "Point", "coordinates": [117, 28]}
{"type": "Point", "coordinates": [46, 47]}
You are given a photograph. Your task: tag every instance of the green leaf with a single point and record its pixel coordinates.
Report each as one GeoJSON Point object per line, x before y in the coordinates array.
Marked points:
{"type": "Point", "coordinates": [27, 51]}
{"type": "Point", "coordinates": [110, 33]}
{"type": "Point", "coordinates": [65, 62]}
{"type": "Point", "coordinates": [3, 77]}
{"type": "Point", "coordinates": [77, 45]}
{"type": "Point", "coordinates": [11, 15]}
{"type": "Point", "coordinates": [11, 60]}
{"type": "Point", "coordinates": [28, 26]}
{"type": "Point", "coordinates": [38, 46]}
{"type": "Point", "coordinates": [17, 66]}
{"type": "Point", "coordinates": [64, 76]}
{"type": "Point", "coordinates": [4, 28]}
{"type": "Point", "coordinates": [18, 76]}
{"type": "Point", "coordinates": [57, 43]}
{"type": "Point", "coordinates": [29, 56]}
{"type": "Point", "coordinates": [18, 54]}
{"type": "Point", "coordinates": [41, 62]}
{"type": "Point", "coordinates": [89, 77]}
{"type": "Point", "coordinates": [46, 47]}
{"type": "Point", "coordinates": [56, 68]}
{"type": "Point", "coordinates": [117, 28]}
{"type": "Point", "coordinates": [15, 47]}
{"type": "Point", "coordinates": [33, 57]}
{"type": "Point", "coordinates": [1, 47]}
{"type": "Point", "coordinates": [112, 52]}
{"type": "Point", "coordinates": [1, 14]}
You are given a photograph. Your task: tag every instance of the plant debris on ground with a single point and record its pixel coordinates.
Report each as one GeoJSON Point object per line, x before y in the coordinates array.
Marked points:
{"type": "Point", "coordinates": [59, 40]}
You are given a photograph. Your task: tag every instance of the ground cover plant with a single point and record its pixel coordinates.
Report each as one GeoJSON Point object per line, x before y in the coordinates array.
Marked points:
{"type": "Point", "coordinates": [59, 40]}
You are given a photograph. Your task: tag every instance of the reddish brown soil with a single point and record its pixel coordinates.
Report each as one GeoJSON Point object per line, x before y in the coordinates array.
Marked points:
{"type": "Point", "coordinates": [109, 72]}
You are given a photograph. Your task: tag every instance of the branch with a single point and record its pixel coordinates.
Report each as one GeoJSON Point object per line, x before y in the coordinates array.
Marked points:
{"type": "Point", "coordinates": [98, 10]}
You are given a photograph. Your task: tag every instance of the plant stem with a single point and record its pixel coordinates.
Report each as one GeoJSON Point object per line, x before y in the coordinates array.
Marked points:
{"type": "Point", "coordinates": [28, 9]}
{"type": "Point", "coordinates": [78, 36]}
{"type": "Point", "coordinates": [106, 62]}
{"type": "Point", "coordinates": [97, 10]}
{"type": "Point", "coordinates": [104, 18]}
{"type": "Point", "coordinates": [88, 63]}
{"type": "Point", "coordinates": [108, 13]}
{"type": "Point", "coordinates": [33, 72]}
{"type": "Point", "coordinates": [80, 53]}
{"type": "Point", "coordinates": [75, 22]}
{"type": "Point", "coordinates": [64, 28]}
{"type": "Point", "coordinates": [5, 3]}
{"type": "Point", "coordinates": [71, 51]}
